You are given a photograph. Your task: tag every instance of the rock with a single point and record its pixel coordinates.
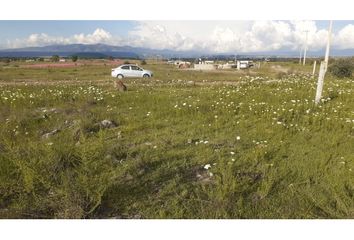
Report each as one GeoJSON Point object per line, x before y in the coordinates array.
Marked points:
{"type": "Point", "coordinates": [49, 134]}
{"type": "Point", "coordinates": [129, 177]}
{"type": "Point", "coordinates": [192, 83]}
{"type": "Point", "coordinates": [204, 177]}
{"type": "Point", "coordinates": [119, 85]}
{"type": "Point", "coordinates": [107, 124]}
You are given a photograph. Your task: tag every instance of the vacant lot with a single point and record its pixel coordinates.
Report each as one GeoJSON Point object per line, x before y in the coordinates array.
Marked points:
{"type": "Point", "coordinates": [184, 144]}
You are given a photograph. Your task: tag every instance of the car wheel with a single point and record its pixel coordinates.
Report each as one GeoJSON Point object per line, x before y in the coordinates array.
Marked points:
{"type": "Point", "coordinates": [146, 75]}
{"type": "Point", "coordinates": [120, 76]}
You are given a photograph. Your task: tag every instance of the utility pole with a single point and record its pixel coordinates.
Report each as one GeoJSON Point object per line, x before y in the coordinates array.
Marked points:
{"type": "Point", "coordinates": [305, 50]}
{"type": "Point", "coordinates": [300, 55]}
{"type": "Point", "coordinates": [328, 43]}
{"type": "Point", "coordinates": [314, 68]}
{"type": "Point", "coordinates": [323, 68]}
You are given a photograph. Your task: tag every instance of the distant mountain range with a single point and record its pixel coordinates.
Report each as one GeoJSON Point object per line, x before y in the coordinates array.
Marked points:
{"type": "Point", "coordinates": [95, 50]}
{"type": "Point", "coordinates": [103, 51]}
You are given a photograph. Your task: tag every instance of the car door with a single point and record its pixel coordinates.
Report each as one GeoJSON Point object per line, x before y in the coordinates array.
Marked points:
{"type": "Point", "coordinates": [125, 70]}
{"type": "Point", "coordinates": [136, 71]}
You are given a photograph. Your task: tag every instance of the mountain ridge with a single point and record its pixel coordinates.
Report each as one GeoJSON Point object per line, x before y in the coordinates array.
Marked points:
{"type": "Point", "coordinates": [140, 52]}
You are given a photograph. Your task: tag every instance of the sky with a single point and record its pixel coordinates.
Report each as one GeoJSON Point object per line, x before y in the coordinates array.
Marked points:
{"type": "Point", "coordinates": [211, 36]}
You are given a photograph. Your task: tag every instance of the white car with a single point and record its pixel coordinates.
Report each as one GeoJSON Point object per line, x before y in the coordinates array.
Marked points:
{"type": "Point", "coordinates": [130, 70]}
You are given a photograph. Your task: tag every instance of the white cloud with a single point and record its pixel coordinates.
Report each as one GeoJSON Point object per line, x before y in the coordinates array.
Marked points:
{"type": "Point", "coordinates": [228, 36]}
{"type": "Point", "coordinates": [37, 39]}
{"type": "Point", "coordinates": [212, 36]}
{"type": "Point", "coordinates": [345, 37]}
{"type": "Point", "coordinates": [43, 39]}
{"type": "Point", "coordinates": [98, 36]}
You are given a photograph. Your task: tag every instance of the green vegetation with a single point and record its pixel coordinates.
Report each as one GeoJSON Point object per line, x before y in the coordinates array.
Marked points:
{"type": "Point", "coordinates": [342, 68]}
{"type": "Point", "coordinates": [184, 144]}
{"type": "Point", "coordinates": [55, 58]}
{"type": "Point", "coordinates": [74, 58]}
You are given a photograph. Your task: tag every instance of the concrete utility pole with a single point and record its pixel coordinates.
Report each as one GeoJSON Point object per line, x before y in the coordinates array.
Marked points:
{"type": "Point", "coordinates": [328, 43]}
{"type": "Point", "coordinates": [323, 68]}
{"type": "Point", "coordinates": [300, 55]}
{"type": "Point", "coordinates": [314, 68]}
{"type": "Point", "coordinates": [305, 50]}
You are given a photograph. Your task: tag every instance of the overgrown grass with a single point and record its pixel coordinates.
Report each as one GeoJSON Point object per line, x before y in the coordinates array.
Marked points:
{"type": "Point", "coordinates": [272, 153]}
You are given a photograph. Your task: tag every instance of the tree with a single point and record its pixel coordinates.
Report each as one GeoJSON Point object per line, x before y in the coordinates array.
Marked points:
{"type": "Point", "coordinates": [55, 58]}
{"type": "Point", "coordinates": [74, 58]}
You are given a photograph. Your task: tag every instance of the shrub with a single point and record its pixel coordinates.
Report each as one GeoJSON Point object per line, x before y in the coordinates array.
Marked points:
{"type": "Point", "coordinates": [74, 58]}
{"type": "Point", "coordinates": [55, 58]}
{"type": "Point", "coordinates": [341, 68]}
{"type": "Point", "coordinates": [143, 62]}
{"type": "Point", "coordinates": [126, 62]}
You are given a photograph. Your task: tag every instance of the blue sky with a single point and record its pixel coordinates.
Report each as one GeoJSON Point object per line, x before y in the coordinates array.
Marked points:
{"type": "Point", "coordinates": [214, 36]}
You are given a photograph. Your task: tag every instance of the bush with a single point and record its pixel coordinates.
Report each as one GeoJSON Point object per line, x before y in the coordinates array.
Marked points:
{"type": "Point", "coordinates": [143, 62]}
{"type": "Point", "coordinates": [74, 58]}
{"type": "Point", "coordinates": [126, 62]}
{"type": "Point", "coordinates": [55, 58]}
{"type": "Point", "coordinates": [342, 68]}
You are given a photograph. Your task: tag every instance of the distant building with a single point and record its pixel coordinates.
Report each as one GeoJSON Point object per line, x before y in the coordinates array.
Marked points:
{"type": "Point", "coordinates": [244, 64]}
{"type": "Point", "coordinates": [205, 66]}
{"type": "Point", "coordinates": [62, 60]}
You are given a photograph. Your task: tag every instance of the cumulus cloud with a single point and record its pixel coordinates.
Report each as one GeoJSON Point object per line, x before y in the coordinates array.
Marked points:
{"type": "Point", "coordinates": [229, 36]}
{"type": "Point", "coordinates": [37, 39]}
{"type": "Point", "coordinates": [210, 36]}
{"type": "Point", "coordinates": [43, 39]}
{"type": "Point", "coordinates": [159, 37]}
{"type": "Point", "coordinates": [98, 36]}
{"type": "Point", "coordinates": [345, 37]}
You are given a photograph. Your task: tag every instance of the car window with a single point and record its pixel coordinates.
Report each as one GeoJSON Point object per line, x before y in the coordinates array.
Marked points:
{"type": "Point", "coordinates": [135, 68]}
{"type": "Point", "coordinates": [125, 67]}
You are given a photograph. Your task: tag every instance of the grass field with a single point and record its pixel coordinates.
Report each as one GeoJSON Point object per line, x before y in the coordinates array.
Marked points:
{"type": "Point", "coordinates": [184, 144]}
